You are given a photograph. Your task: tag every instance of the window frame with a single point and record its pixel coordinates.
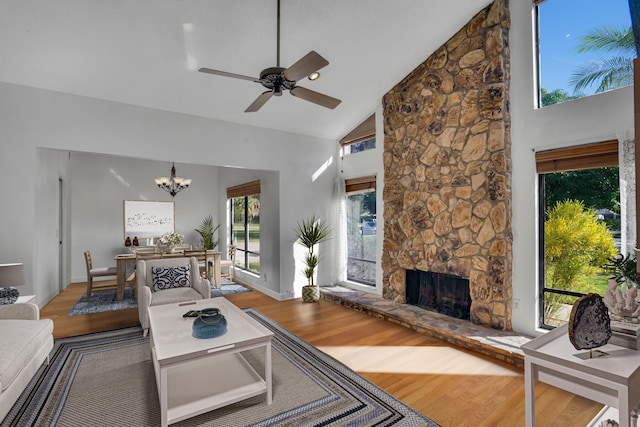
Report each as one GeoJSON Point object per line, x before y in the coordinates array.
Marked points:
{"type": "Point", "coordinates": [245, 191]}
{"type": "Point", "coordinates": [354, 186]}
{"type": "Point", "coordinates": [580, 157]}
{"type": "Point", "coordinates": [365, 131]}
{"type": "Point", "coordinates": [537, 61]}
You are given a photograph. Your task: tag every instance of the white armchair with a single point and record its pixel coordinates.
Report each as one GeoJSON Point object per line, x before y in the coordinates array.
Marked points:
{"type": "Point", "coordinates": [25, 343]}
{"type": "Point", "coordinates": [198, 288]}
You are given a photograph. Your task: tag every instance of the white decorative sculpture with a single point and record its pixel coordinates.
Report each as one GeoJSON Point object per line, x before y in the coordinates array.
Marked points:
{"type": "Point", "coordinates": [622, 302]}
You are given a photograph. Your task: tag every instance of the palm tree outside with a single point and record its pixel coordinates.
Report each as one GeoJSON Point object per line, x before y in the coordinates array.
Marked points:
{"type": "Point", "coordinates": [606, 72]}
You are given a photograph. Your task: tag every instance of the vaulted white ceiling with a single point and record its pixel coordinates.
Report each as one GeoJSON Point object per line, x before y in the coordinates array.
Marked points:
{"type": "Point", "coordinates": [147, 52]}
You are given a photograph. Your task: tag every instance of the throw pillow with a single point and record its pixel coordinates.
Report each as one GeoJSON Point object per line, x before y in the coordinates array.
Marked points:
{"type": "Point", "coordinates": [170, 277]}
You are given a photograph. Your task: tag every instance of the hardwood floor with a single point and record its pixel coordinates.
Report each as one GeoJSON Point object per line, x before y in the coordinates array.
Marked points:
{"type": "Point", "coordinates": [452, 386]}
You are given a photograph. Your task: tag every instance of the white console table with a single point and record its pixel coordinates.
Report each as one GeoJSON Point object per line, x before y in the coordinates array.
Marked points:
{"type": "Point", "coordinates": [612, 380]}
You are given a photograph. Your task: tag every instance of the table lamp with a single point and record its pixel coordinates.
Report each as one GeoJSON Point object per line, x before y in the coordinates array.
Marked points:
{"type": "Point", "coordinates": [11, 275]}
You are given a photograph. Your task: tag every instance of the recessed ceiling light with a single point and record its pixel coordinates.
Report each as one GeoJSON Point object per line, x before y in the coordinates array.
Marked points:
{"type": "Point", "coordinates": [314, 76]}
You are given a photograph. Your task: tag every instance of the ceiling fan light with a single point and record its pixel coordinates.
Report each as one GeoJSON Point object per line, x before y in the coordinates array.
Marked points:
{"type": "Point", "coordinates": [314, 76]}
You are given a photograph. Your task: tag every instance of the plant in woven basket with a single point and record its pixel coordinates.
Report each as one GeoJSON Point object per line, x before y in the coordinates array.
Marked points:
{"type": "Point", "coordinates": [309, 233]}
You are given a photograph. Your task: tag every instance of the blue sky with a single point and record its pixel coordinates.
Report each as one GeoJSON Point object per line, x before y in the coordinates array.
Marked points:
{"type": "Point", "coordinates": [562, 24]}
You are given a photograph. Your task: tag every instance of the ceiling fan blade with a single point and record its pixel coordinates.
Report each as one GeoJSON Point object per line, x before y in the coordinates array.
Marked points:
{"type": "Point", "coordinates": [315, 97]}
{"type": "Point", "coordinates": [259, 102]}
{"type": "Point", "coordinates": [227, 74]}
{"type": "Point", "coordinates": [309, 63]}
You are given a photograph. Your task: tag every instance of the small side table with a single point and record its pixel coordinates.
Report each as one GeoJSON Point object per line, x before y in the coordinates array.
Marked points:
{"type": "Point", "coordinates": [612, 380]}
{"type": "Point", "coordinates": [27, 298]}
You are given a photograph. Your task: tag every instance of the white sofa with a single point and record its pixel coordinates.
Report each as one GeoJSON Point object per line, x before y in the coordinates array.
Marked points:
{"type": "Point", "coordinates": [25, 343]}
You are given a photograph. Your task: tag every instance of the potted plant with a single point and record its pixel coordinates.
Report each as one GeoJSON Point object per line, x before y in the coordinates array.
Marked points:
{"type": "Point", "coordinates": [206, 230]}
{"type": "Point", "coordinates": [309, 233]}
{"type": "Point", "coordinates": [620, 297]}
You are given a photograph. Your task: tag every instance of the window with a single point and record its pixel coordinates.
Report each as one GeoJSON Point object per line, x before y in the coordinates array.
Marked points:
{"type": "Point", "coordinates": [361, 230]}
{"type": "Point", "coordinates": [362, 138]}
{"type": "Point", "coordinates": [580, 225]}
{"type": "Point", "coordinates": [584, 47]}
{"type": "Point", "coordinates": [244, 217]}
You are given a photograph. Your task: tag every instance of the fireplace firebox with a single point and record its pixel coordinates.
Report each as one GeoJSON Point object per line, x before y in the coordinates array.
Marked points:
{"type": "Point", "coordinates": [442, 293]}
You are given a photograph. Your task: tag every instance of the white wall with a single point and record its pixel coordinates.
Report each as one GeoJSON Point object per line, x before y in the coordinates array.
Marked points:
{"type": "Point", "coordinates": [33, 118]}
{"type": "Point", "coordinates": [52, 166]}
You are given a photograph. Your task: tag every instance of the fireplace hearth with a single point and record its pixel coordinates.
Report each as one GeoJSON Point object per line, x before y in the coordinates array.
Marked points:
{"type": "Point", "coordinates": [442, 293]}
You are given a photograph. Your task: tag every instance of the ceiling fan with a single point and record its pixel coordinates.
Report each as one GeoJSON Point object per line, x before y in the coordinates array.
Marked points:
{"type": "Point", "coordinates": [277, 79]}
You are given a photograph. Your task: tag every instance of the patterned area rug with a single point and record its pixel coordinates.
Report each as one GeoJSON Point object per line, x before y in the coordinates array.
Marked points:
{"type": "Point", "coordinates": [228, 287]}
{"type": "Point", "coordinates": [106, 300]}
{"type": "Point", "coordinates": [107, 379]}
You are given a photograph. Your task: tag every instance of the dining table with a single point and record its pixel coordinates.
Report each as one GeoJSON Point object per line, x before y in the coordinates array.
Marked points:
{"type": "Point", "coordinates": [122, 260]}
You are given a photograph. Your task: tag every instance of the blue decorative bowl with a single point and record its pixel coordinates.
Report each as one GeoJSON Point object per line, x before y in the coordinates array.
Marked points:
{"type": "Point", "coordinates": [210, 323]}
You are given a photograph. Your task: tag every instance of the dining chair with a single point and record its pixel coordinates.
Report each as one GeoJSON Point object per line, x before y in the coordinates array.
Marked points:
{"type": "Point", "coordinates": [204, 267]}
{"type": "Point", "coordinates": [98, 272]}
{"type": "Point", "coordinates": [142, 250]}
{"type": "Point", "coordinates": [229, 263]}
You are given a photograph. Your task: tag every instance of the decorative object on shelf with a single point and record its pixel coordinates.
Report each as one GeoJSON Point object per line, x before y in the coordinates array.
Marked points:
{"type": "Point", "coordinates": [127, 241]}
{"type": "Point", "coordinates": [309, 233]}
{"type": "Point", "coordinates": [136, 242]}
{"type": "Point", "coordinates": [11, 275]}
{"type": "Point", "coordinates": [210, 323]}
{"type": "Point", "coordinates": [206, 230]}
{"type": "Point", "coordinates": [173, 185]}
{"type": "Point", "coordinates": [589, 323]}
{"type": "Point", "coordinates": [621, 295]}
{"type": "Point", "coordinates": [625, 334]}
{"type": "Point", "coordinates": [169, 240]}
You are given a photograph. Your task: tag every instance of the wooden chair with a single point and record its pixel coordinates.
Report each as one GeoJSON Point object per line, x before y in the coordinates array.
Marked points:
{"type": "Point", "coordinates": [206, 270]}
{"type": "Point", "coordinates": [98, 272]}
{"type": "Point", "coordinates": [229, 263]}
{"type": "Point", "coordinates": [144, 250]}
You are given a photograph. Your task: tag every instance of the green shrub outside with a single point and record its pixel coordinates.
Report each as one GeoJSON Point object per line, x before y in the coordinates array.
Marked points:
{"type": "Point", "coordinates": [576, 245]}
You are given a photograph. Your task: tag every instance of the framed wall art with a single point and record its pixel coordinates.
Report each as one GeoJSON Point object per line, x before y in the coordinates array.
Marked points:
{"type": "Point", "coordinates": [147, 218]}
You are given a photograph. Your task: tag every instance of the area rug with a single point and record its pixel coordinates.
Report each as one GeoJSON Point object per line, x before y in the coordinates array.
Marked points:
{"type": "Point", "coordinates": [106, 300]}
{"type": "Point", "coordinates": [107, 379]}
{"type": "Point", "coordinates": [228, 287]}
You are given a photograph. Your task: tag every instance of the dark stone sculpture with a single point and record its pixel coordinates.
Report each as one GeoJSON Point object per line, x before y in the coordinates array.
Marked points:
{"type": "Point", "coordinates": [589, 324]}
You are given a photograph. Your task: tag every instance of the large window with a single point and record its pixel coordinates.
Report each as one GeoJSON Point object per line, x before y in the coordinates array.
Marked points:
{"type": "Point", "coordinates": [244, 217]}
{"type": "Point", "coordinates": [584, 47]}
{"type": "Point", "coordinates": [361, 230]}
{"type": "Point", "coordinates": [580, 225]}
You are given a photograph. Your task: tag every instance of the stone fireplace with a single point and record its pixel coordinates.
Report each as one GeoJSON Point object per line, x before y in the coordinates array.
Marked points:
{"type": "Point", "coordinates": [447, 169]}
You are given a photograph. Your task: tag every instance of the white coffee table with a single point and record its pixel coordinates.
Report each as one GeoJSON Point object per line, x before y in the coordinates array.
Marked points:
{"type": "Point", "coordinates": [199, 375]}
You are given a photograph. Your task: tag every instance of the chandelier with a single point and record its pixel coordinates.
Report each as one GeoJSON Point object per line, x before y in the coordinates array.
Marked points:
{"type": "Point", "coordinates": [174, 184]}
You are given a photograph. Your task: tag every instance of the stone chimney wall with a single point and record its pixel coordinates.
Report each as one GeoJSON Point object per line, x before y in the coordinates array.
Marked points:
{"type": "Point", "coordinates": [447, 168]}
